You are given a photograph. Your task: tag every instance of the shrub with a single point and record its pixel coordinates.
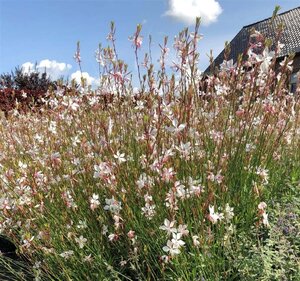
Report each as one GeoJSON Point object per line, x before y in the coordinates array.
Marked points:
{"type": "Point", "coordinates": [20, 80]}
{"type": "Point", "coordinates": [24, 91]}
{"type": "Point", "coordinates": [276, 254]}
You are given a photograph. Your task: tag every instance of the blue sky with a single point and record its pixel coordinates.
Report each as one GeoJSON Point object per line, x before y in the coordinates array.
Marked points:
{"type": "Point", "coordinates": [47, 30]}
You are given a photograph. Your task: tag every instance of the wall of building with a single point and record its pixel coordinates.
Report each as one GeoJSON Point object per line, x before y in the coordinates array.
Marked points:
{"type": "Point", "coordinates": [296, 63]}
{"type": "Point", "coordinates": [294, 78]}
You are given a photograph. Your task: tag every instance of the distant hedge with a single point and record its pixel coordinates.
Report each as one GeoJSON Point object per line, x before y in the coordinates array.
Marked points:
{"type": "Point", "coordinates": [23, 90]}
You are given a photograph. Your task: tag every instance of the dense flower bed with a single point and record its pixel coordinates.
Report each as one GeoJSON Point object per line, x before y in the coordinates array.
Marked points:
{"type": "Point", "coordinates": [188, 178]}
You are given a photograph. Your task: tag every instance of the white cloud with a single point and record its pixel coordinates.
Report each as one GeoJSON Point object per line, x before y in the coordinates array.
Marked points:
{"type": "Point", "coordinates": [57, 69]}
{"type": "Point", "coordinates": [89, 79]}
{"type": "Point", "coordinates": [53, 68]}
{"type": "Point", "coordinates": [27, 67]}
{"type": "Point", "coordinates": [187, 10]}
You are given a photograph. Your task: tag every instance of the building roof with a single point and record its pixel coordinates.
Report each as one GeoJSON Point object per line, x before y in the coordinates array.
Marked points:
{"type": "Point", "coordinates": [290, 37]}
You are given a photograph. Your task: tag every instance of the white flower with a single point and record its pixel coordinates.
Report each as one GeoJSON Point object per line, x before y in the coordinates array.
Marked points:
{"type": "Point", "coordinates": [262, 206]}
{"type": "Point", "coordinates": [70, 103]}
{"type": "Point", "coordinates": [262, 212]}
{"type": "Point", "coordinates": [174, 245]}
{"type": "Point", "coordinates": [37, 265]}
{"type": "Point", "coordinates": [102, 170]}
{"type": "Point", "coordinates": [264, 174]}
{"type": "Point", "coordinates": [196, 242]}
{"type": "Point", "coordinates": [139, 105]}
{"type": "Point", "coordinates": [227, 65]}
{"type": "Point", "coordinates": [66, 254]}
{"type": "Point", "coordinates": [265, 220]}
{"type": "Point", "coordinates": [74, 106]}
{"type": "Point", "coordinates": [144, 181]}
{"type": "Point", "coordinates": [110, 126]}
{"type": "Point", "coordinates": [249, 147]}
{"type": "Point", "coordinates": [195, 188]}
{"type": "Point", "coordinates": [27, 242]}
{"type": "Point", "coordinates": [122, 263]}
{"type": "Point", "coordinates": [52, 127]}
{"type": "Point", "coordinates": [141, 182]}
{"type": "Point", "coordinates": [93, 100]}
{"type": "Point", "coordinates": [5, 203]}
{"type": "Point", "coordinates": [228, 214]}
{"type": "Point", "coordinates": [176, 128]}
{"type": "Point", "coordinates": [99, 57]}
{"type": "Point", "coordinates": [112, 205]}
{"type": "Point", "coordinates": [182, 229]}
{"type": "Point", "coordinates": [82, 224]}
{"type": "Point", "coordinates": [176, 240]}
{"type": "Point", "coordinates": [168, 174]}
{"type": "Point", "coordinates": [196, 36]}
{"type": "Point", "coordinates": [24, 94]}
{"type": "Point", "coordinates": [120, 157]}
{"type": "Point", "coordinates": [180, 189]}
{"type": "Point", "coordinates": [112, 237]}
{"type": "Point", "coordinates": [289, 65]}
{"type": "Point", "coordinates": [75, 140]}
{"type": "Point", "coordinates": [104, 229]}
{"type": "Point", "coordinates": [55, 156]}
{"type": "Point", "coordinates": [148, 210]}
{"type": "Point", "coordinates": [81, 241]}
{"type": "Point", "coordinates": [184, 149]}
{"type": "Point", "coordinates": [94, 201]}
{"type": "Point", "coordinates": [88, 258]}
{"type": "Point", "coordinates": [171, 249]}
{"type": "Point", "coordinates": [214, 217]}
{"type": "Point", "coordinates": [168, 226]}
{"type": "Point", "coordinates": [22, 165]}
{"type": "Point", "coordinates": [218, 178]}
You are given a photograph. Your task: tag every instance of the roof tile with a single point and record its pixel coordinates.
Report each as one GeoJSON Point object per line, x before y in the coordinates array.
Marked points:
{"type": "Point", "coordinates": [290, 37]}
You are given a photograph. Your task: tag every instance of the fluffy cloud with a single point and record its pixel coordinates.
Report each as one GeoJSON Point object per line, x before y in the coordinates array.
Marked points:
{"type": "Point", "coordinates": [28, 67]}
{"type": "Point", "coordinates": [187, 10]}
{"type": "Point", "coordinates": [57, 69]}
{"type": "Point", "coordinates": [89, 79]}
{"type": "Point", "coordinates": [53, 68]}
